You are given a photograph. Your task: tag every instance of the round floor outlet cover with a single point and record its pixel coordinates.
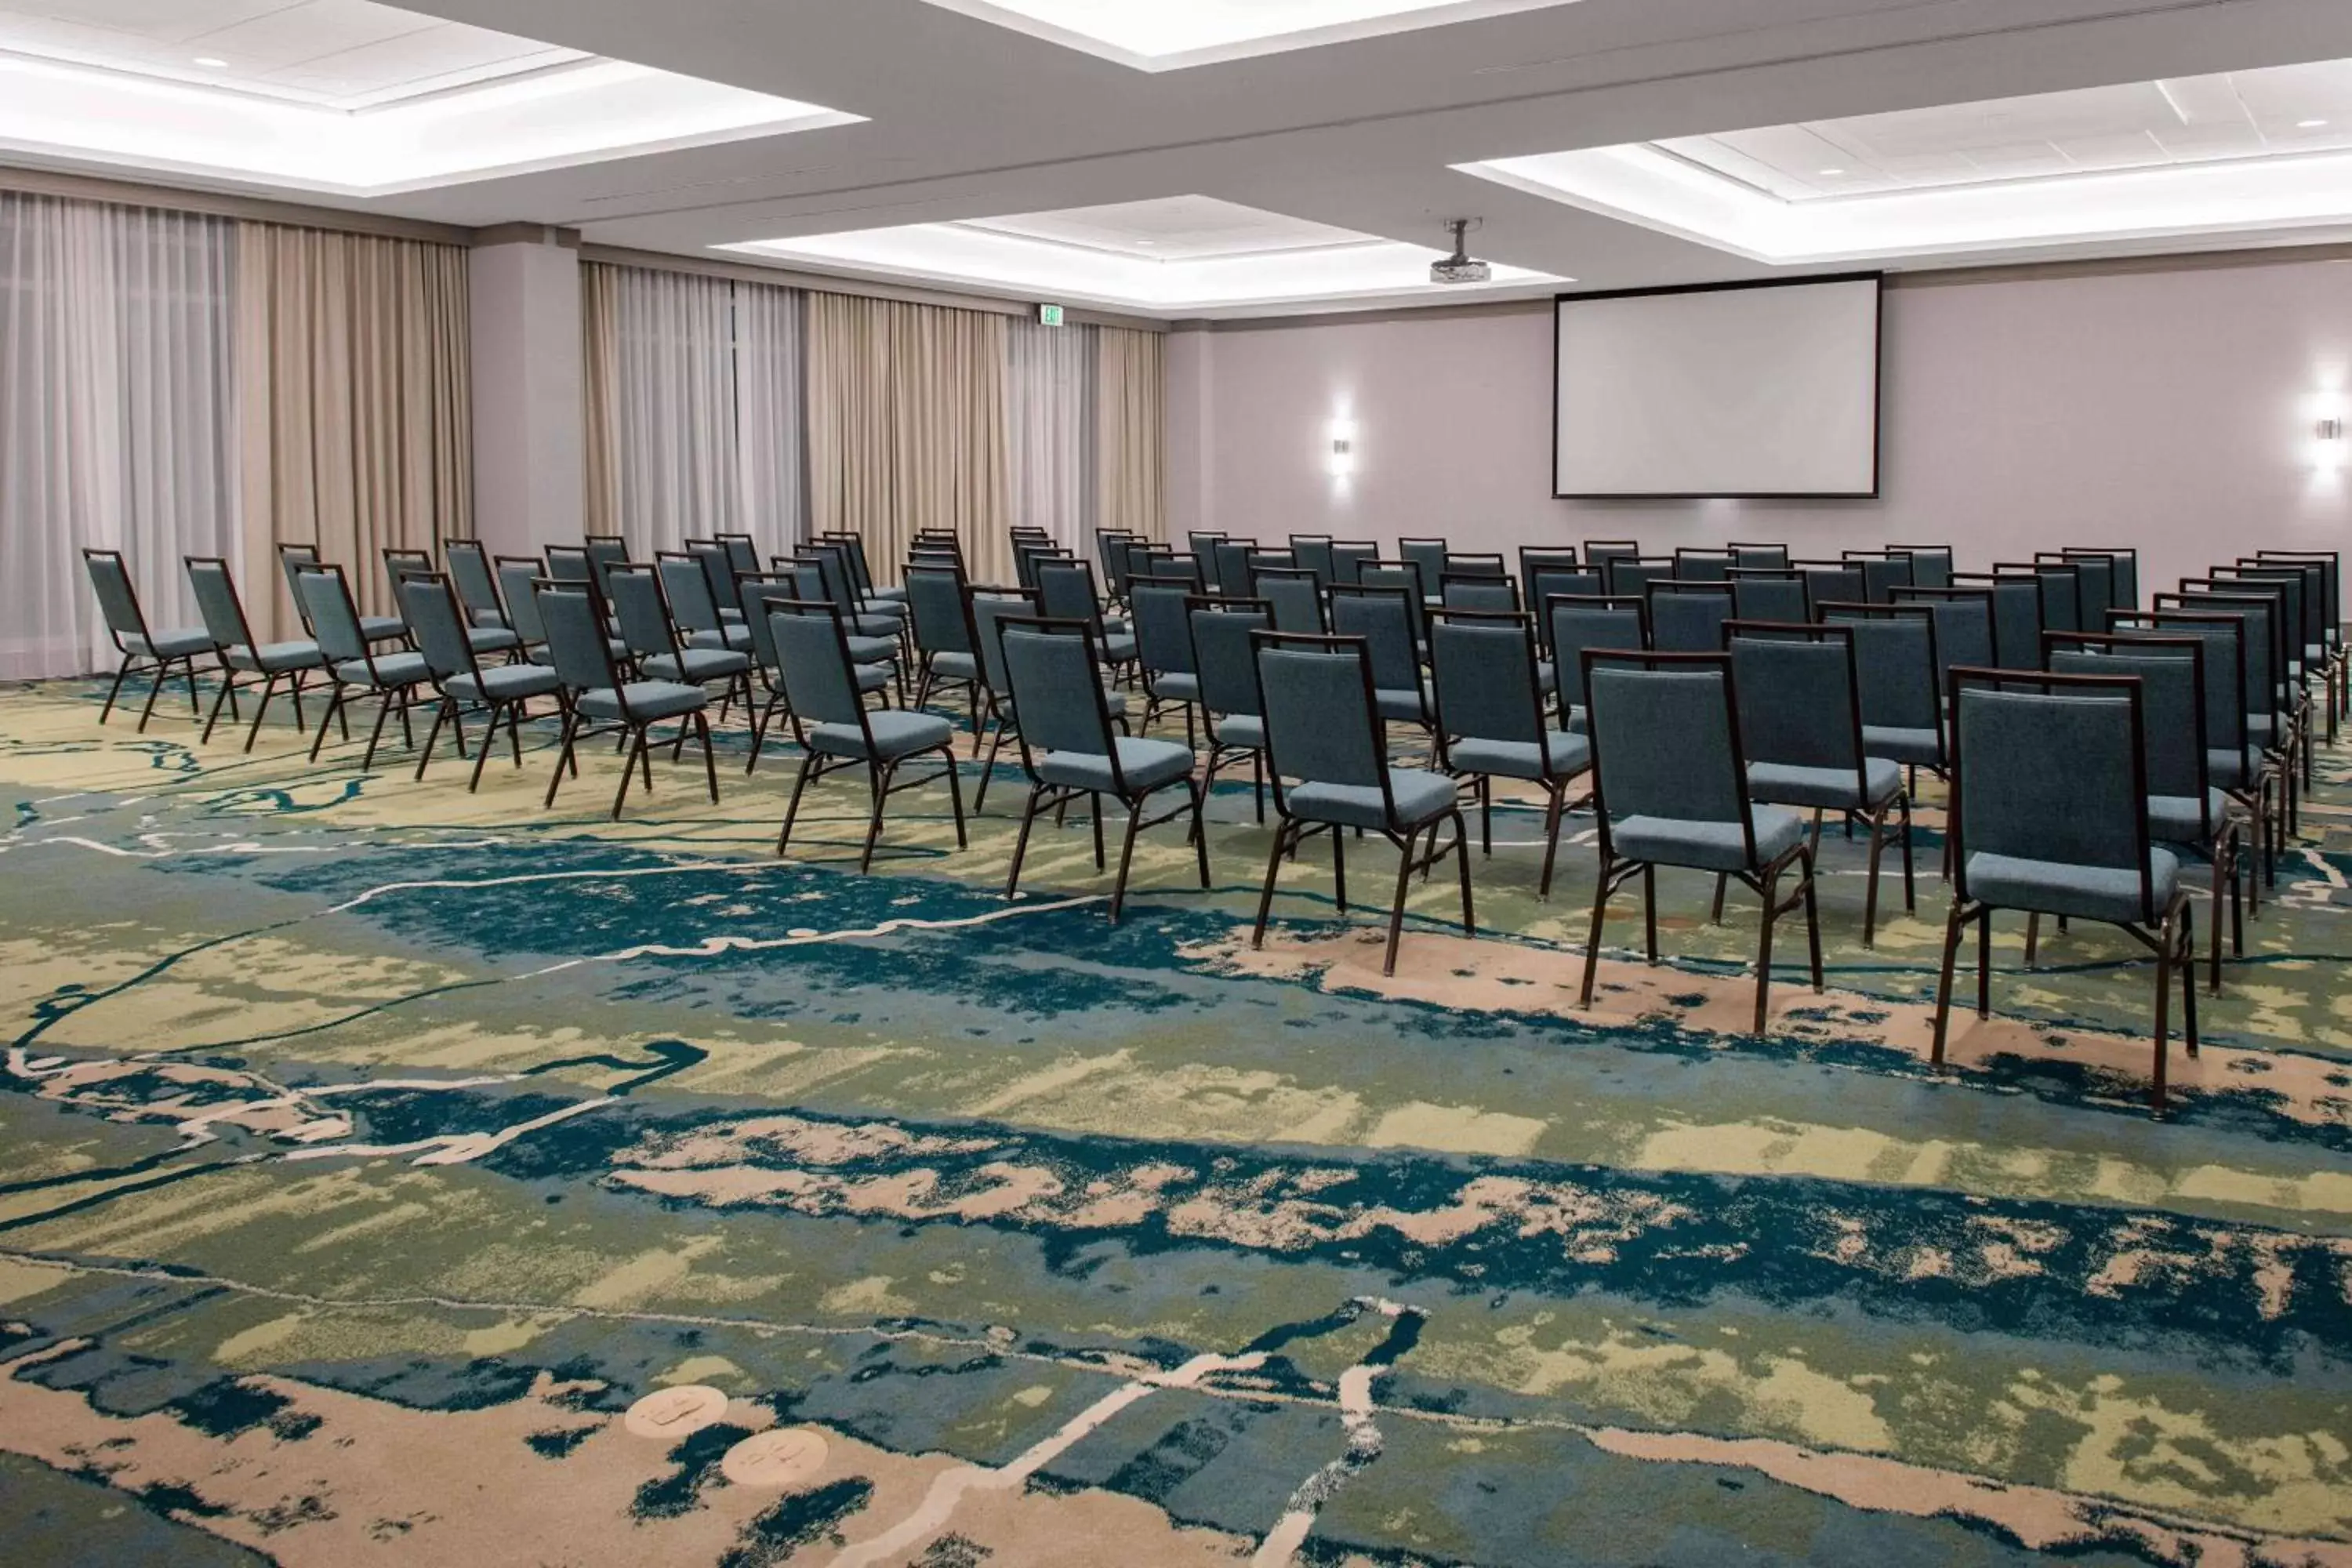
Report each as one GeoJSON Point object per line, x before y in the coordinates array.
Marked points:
{"type": "Point", "coordinates": [774, 1459]}
{"type": "Point", "coordinates": [674, 1412]}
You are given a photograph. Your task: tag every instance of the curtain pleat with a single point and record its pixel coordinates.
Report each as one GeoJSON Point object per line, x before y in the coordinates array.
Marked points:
{"type": "Point", "coordinates": [1049, 414]}
{"type": "Point", "coordinates": [354, 368]}
{"type": "Point", "coordinates": [1131, 420]}
{"type": "Point", "coordinates": [117, 417]}
{"type": "Point", "coordinates": [599, 333]}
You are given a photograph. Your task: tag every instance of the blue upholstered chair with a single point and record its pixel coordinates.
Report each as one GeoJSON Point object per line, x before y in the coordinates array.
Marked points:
{"type": "Point", "coordinates": [1776, 594]}
{"type": "Point", "coordinates": [1831, 582]}
{"type": "Point", "coordinates": [1403, 579]}
{"type": "Point", "coordinates": [1348, 558]}
{"type": "Point", "coordinates": [1801, 730]}
{"type": "Point", "coordinates": [599, 701]}
{"type": "Point", "coordinates": [1163, 648]}
{"type": "Point", "coordinates": [1293, 597]}
{"type": "Point", "coordinates": [295, 558]}
{"type": "Point", "coordinates": [1385, 619]}
{"type": "Point", "coordinates": [1687, 615]}
{"type": "Point", "coordinates": [1329, 755]}
{"type": "Point", "coordinates": [392, 678]}
{"type": "Point", "coordinates": [1231, 557]}
{"type": "Point", "coordinates": [1428, 557]}
{"type": "Point", "coordinates": [1491, 722]}
{"type": "Point", "coordinates": [2049, 816]}
{"type": "Point", "coordinates": [225, 622]}
{"type": "Point", "coordinates": [1901, 698]}
{"type": "Point", "coordinates": [1069, 748]}
{"type": "Point", "coordinates": [743, 554]}
{"type": "Point", "coordinates": [1882, 574]}
{"type": "Point", "coordinates": [1931, 564]}
{"type": "Point", "coordinates": [1630, 575]}
{"type": "Point", "coordinates": [938, 618]}
{"type": "Point", "coordinates": [1966, 629]}
{"type": "Point", "coordinates": [2016, 614]}
{"type": "Point", "coordinates": [1671, 789]}
{"type": "Point", "coordinates": [1111, 547]}
{"type": "Point", "coordinates": [401, 564]}
{"type": "Point", "coordinates": [437, 621]}
{"type": "Point", "coordinates": [1579, 623]}
{"type": "Point", "coordinates": [1755, 557]}
{"type": "Point", "coordinates": [1065, 588]}
{"type": "Point", "coordinates": [836, 730]}
{"type": "Point", "coordinates": [138, 642]}
{"type": "Point", "coordinates": [1478, 592]}
{"type": "Point", "coordinates": [694, 610]}
{"type": "Point", "coordinates": [473, 575]}
{"type": "Point", "coordinates": [1703, 565]}
{"type": "Point", "coordinates": [2095, 580]}
{"type": "Point", "coordinates": [1313, 553]}
{"type": "Point", "coordinates": [1226, 663]}
{"type": "Point", "coordinates": [861, 570]}
{"type": "Point", "coordinates": [1599, 552]}
{"type": "Point", "coordinates": [642, 610]}
{"type": "Point", "coordinates": [759, 592]}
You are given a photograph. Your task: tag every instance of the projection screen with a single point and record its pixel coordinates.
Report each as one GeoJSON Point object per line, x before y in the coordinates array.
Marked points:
{"type": "Point", "coordinates": [1741, 390]}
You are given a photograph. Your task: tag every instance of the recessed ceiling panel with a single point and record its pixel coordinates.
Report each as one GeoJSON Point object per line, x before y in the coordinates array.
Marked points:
{"type": "Point", "coordinates": [1167, 35]}
{"type": "Point", "coordinates": [1174, 228]}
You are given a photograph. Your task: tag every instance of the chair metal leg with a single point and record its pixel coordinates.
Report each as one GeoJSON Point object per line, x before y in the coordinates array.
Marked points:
{"type": "Point", "coordinates": [639, 745]}
{"type": "Point", "coordinates": [1953, 925]}
{"type": "Point", "coordinates": [877, 779]}
{"type": "Point", "coordinates": [793, 808]}
{"type": "Point", "coordinates": [1462, 869]}
{"type": "Point", "coordinates": [1553, 810]}
{"type": "Point", "coordinates": [1910, 891]}
{"type": "Point", "coordinates": [115, 690]}
{"type": "Point", "coordinates": [2188, 977]}
{"type": "Point", "coordinates": [562, 756]}
{"type": "Point", "coordinates": [513, 712]}
{"type": "Point", "coordinates": [1339, 868]}
{"type": "Point", "coordinates": [433, 739]}
{"type": "Point", "coordinates": [1404, 885]}
{"type": "Point", "coordinates": [1770, 894]}
{"type": "Point", "coordinates": [1126, 853]}
{"type": "Point", "coordinates": [1593, 935]}
{"type": "Point", "coordinates": [1875, 823]}
{"type": "Point", "coordinates": [1200, 826]}
{"type": "Point", "coordinates": [154, 691]}
{"type": "Point", "coordinates": [2168, 945]}
{"type": "Point", "coordinates": [1715, 914]}
{"type": "Point", "coordinates": [269, 688]}
{"type": "Point", "coordinates": [228, 686]}
{"type": "Point", "coordinates": [1283, 836]}
{"type": "Point", "coordinates": [1813, 916]}
{"type": "Point", "coordinates": [1021, 843]}
{"type": "Point", "coordinates": [1486, 816]}
{"type": "Point", "coordinates": [1650, 911]}
{"type": "Point", "coordinates": [955, 792]}
{"type": "Point", "coordinates": [1984, 964]}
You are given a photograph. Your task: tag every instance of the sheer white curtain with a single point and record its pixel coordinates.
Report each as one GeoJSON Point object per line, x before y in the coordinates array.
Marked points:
{"type": "Point", "coordinates": [770, 425]}
{"type": "Point", "coordinates": [117, 417]}
{"type": "Point", "coordinates": [1049, 404]}
{"type": "Point", "coordinates": [674, 367]}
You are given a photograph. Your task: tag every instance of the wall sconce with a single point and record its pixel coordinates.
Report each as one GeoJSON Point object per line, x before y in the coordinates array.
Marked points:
{"type": "Point", "coordinates": [1343, 449]}
{"type": "Point", "coordinates": [2331, 429]}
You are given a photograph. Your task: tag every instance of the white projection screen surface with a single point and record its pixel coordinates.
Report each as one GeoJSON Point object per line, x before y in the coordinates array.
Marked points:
{"type": "Point", "coordinates": [1755, 391]}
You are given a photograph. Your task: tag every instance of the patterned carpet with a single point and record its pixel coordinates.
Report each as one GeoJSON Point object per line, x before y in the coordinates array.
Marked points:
{"type": "Point", "coordinates": [391, 1175]}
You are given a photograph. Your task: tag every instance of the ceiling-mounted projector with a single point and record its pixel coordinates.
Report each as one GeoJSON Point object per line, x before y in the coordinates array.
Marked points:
{"type": "Point", "coordinates": [1458, 267]}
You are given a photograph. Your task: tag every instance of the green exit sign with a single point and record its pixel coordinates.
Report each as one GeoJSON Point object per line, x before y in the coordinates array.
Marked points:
{"type": "Point", "coordinates": [1049, 315]}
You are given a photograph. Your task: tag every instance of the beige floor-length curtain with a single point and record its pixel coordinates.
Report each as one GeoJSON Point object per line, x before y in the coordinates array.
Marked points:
{"type": "Point", "coordinates": [600, 328]}
{"type": "Point", "coordinates": [907, 427]}
{"type": "Point", "coordinates": [356, 394]}
{"type": "Point", "coordinates": [1130, 413]}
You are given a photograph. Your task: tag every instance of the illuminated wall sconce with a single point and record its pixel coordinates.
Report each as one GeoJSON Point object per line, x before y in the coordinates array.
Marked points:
{"type": "Point", "coordinates": [2331, 429]}
{"type": "Point", "coordinates": [1343, 449]}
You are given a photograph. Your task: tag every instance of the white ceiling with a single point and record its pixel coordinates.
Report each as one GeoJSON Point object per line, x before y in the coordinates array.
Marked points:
{"type": "Point", "coordinates": [965, 128]}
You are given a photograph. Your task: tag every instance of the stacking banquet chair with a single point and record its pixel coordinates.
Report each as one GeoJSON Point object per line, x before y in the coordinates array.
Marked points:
{"type": "Point", "coordinates": [2016, 614]}
{"type": "Point", "coordinates": [1599, 552]}
{"type": "Point", "coordinates": [1687, 615]}
{"type": "Point", "coordinates": [1671, 789]}
{"type": "Point", "coordinates": [1163, 648]}
{"type": "Point", "coordinates": [1703, 565]}
{"type": "Point", "coordinates": [2185, 811]}
{"type": "Point", "coordinates": [836, 730]}
{"type": "Point", "coordinates": [472, 574]}
{"type": "Point", "coordinates": [400, 565]}
{"type": "Point", "coordinates": [1931, 564]}
{"type": "Point", "coordinates": [599, 701]}
{"type": "Point", "coordinates": [354, 664]}
{"type": "Point", "coordinates": [1759, 557]}
{"type": "Point", "coordinates": [2234, 764]}
{"type": "Point", "coordinates": [642, 611]}
{"type": "Point", "coordinates": [502, 691]}
{"type": "Point", "coordinates": [990, 605]}
{"type": "Point", "coordinates": [1882, 574]}
{"type": "Point", "coordinates": [742, 553]}
{"type": "Point", "coordinates": [1324, 736]}
{"type": "Point", "coordinates": [694, 608]}
{"type": "Point", "coordinates": [877, 658]}
{"type": "Point", "coordinates": [225, 622]}
{"type": "Point", "coordinates": [2062, 591]}
{"type": "Point", "coordinates": [1385, 619]}
{"type": "Point", "coordinates": [1167, 566]}
{"type": "Point", "coordinates": [1801, 730]}
{"type": "Point", "coordinates": [1066, 591]}
{"type": "Point", "coordinates": [2302, 607]}
{"type": "Point", "coordinates": [2335, 659]}
{"type": "Point", "coordinates": [1578, 623]}
{"type": "Point", "coordinates": [1402, 578]}
{"type": "Point", "coordinates": [1902, 702]}
{"type": "Point", "coordinates": [2308, 635]}
{"type": "Point", "coordinates": [2271, 694]}
{"type": "Point", "coordinates": [1295, 598]}
{"type": "Point", "coordinates": [939, 620]}
{"type": "Point", "coordinates": [2095, 581]}
{"type": "Point", "coordinates": [1429, 557]}
{"type": "Point", "coordinates": [1630, 575]}
{"type": "Point", "coordinates": [126, 624]}
{"type": "Point", "coordinates": [1473, 564]}
{"type": "Point", "coordinates": [861, 570]}
{"type": "Point", "coordinates": [862, 614]}
{"type": "Point", "coordinates": [1542, 583]}
{"type": "Point", "coordinates": [1536, 563]}
{"type": "Point", "coordinates": [1481, 592]}
{"type": "Point", "coordinates": [1771, 594]}
{"type": "Point", "coordinates": [515, 575]}
{"type": "Point", "coordinates": [761, 594]}
{"type": "Point", "coordinates": [1964, 628]}
{"type": "Point", "coordinates": [1202, 545]}
{"type": "Point", "coordinates": [2049, 813]}
{"type": "Point", "coordinates": [1491, 724]}
{"type": "Point", "coordinates": [1313, 553]}
{"type": "Point", "coordinates": [295, 558]}
{"type": "Point", "coordinates": [604, 552]}
{"type": "Point", "coordinates": [1348, 557]}
{"type": "Point", "coordinates": [1111, 545]}
{"type": "Point", "coordinates": [1068, 749]}
{"type": "Point", "coordinates": [1223, 657]}
{"type": "Point", "coordinates": [1232, 560]}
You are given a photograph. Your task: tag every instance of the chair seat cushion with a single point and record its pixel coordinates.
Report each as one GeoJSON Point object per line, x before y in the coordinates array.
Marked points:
{"type": "Point", "coordinates": [870, 624]}
{"type": "Point", "coordinates": [383, 628]}
{"type": "Point", "coordinates": [487, 618]}
{"type": "Point", "coordinates": [645, 699]}
{"type": "Point", "coordinates": [1925, 747]}
{"type": "Point", "coordinates": [276, 657]}
{"type": "Point", "coordinates": [2230, 769]}
{"type": "Point", "coordinates": [896, 731]}
{"type": "Point", "coordinates": [390, 669]}
{"type": "Point", "coordinates": [177, 644]}
{"type": "Point", "coordinates": [492, 639]}
{"type": "Point", "coordinates": [1546, 676]}
{"type": "Point", "coordinates": [731, 638]}
{"type": "Point", "coordinates": [1145, 764]}
{"type": "Point", "coordinates": [2056, 887]}
{"type": "Point", "coordinates": [540, 653]}
{"type": "Point", "coordinates": [1117, 647]}
{"type": "Point", "coordinates": [505, 683]}
{"type": "Point", "coordinates": [1238, 730]}
{"type": "Point", "coordinates": [871, 650]}
{"type": "Point", "coordinates": [887, 596]}
{"type": "Point", "coordinates": [1403, 703]}
{"type": "Point", "coordinates": [954, 667]}
{"type": "Point", "coordinates": [1562, 755]}
{"type": "Point", "coordinates": [1785, 783]}
{"type": "Point", "coordinates": [1114, 703]}
{"type": "Point", "coordinates": [1175, 685]}
{"type": "Point", "coordinates": [1707, 846]}
{"type": "Point", "coordinates": [2175, 819]}
{"type": "Point", "coordinates": [1419, 793]}
{"type": "Point", "coordinates": [696, 665]}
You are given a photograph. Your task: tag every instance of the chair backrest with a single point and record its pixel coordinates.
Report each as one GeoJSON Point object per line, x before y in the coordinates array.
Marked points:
{"type": "Point", "coordinates": [1295, 598]}
{"type": "Point", "coordinates": [637, 607]}
{"type": "Point", "coordinates": [762, 593]}
{"type": "Point", "coordinates": [1799, 696]}
{"type": "Point", "coordinates": [1702, 566]}
{"type": "Point", "coordinates": [1110, 553]}
{"type": "Point", "coordinates": [1313, 552]}
{"type": "Point", "coordinates": [833, 569]}
{"type": "Point", "coordinates": [990, 605]}
{"type": "Point", "coordinates": [1399, 577]}
{"type": "Point", "coordinates": [1495, 595]}
{"type": "Point", "coordinates": [1166, 567]}
{"type": "Point", "coordinates": [1348, 559]}
{"type": "Point", "coordinates": [1666, 740]}
{"type": "Point", "coordinates": [293, 558]}
{"type": "Point", "coordinates": [742, 553]}
{"type": "Point", "coordinates": [1484, 669]}
{"type": "Point", "coordinates": [1383, 618]}
{"type": "Point", "coordinates": [2016, 614]}
{"type": "Point", "coordinates": [2171, 673]}
{"type": "Point", "coordinates": [606, 549]}
{"type": "Point", "coordinates": [1537, 564]}
{"type": "Point", "coordinates": [2302, 614]}
{"type": "Point", "coordinates": [2314, 597]}
{"type": "Point", "coordinates": [2224, 639]}
{"type": "Point", "coordinates": [2061, 593]}
{"type": "Point", "coordinates": [2331, 571]}
{"type": "Point", "coordinates": [1203, 546]}
{"type": "Point", "coordinates": [2095, 578]}
{"type": "Point", "coordinates": [1894, 650]}
{"type": "Point", "coordinates": [1065, 588]}
{"type": "Point", "coordinates": [1057, 676]}
{"type": "Point", "coordinates": [477, 587]}
{"type": "Point", "coordinates": [1163, 627]}
{"type": "Point", "coordinates": [2051, 768]}
{"type": "Point", "coordinates": [2124, 576]}
{"type": "Point", "coordinates": [940, 619]}
{"type": "Point", "coordinates": [1882, 574]}
{"type": "Point", "coordinates": [1771, 594]}
{"type": "Point", "coordinates": [576, 642]}
{"type": "Point", "coordinates": [852, 555]}
{"type": "Point", "coordinates": [1931, 564]}
{"type": "Point", "coordinates": [1547, 582]}
{"type": "Point", "coordinates": [1473, 564]}
{"type": "Point", "coordinates": [1579, 624]}
{"type": "Point", "coordinates": [1232, 560]}
{"type": "Point", "coordinates": [1964, 626]}
{"type": "Point", "coordinates": [1833, 582]}
{"type": "Point", "coordinates": [117, 601]}
{"type": "Point", "coordinates": [1221, 650]}
{"type": "Point", "coordinates": [2263, 658]}
{"type": "Point", "coordinates": [434, 617]}
{"type": "Point", "coordinates": [718, 572]}
{"type": "Point", "coordinates": [334, 618]}
{"type": "Point", "coordinates": [1634, 574]}
{"type": "Point", "coordinates": [812, 651]}
{"type": "Point", "coordinates": [1428, 557]}
{"type": "Point", "coordinates": [401, 564]}
{"type": "Point", "coordinates": [686, 587]}
{"type": "Point", "coordinates": [1601, 551]}
{"type": "Point", "coordinates": [516, 574]}
{"type": "Point", "coordinates": [572, 563]}
{"type": "Point", "coordinates": [1315, 695]}
{"type": "Point", "coordinates": [1689, 616]}
{"type": "Point", "coordinates": [216, 601]}
{"type": "Point", "coordinates": [1765, 557]}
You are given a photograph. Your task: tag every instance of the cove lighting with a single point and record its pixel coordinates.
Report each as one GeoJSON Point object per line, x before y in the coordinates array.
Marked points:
{"type": "Point", "coordinates": [1168, 35]}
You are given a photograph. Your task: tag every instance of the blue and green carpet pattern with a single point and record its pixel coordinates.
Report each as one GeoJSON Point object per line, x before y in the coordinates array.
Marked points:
{"type": "Point", "coordinates": [390, 1174]}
